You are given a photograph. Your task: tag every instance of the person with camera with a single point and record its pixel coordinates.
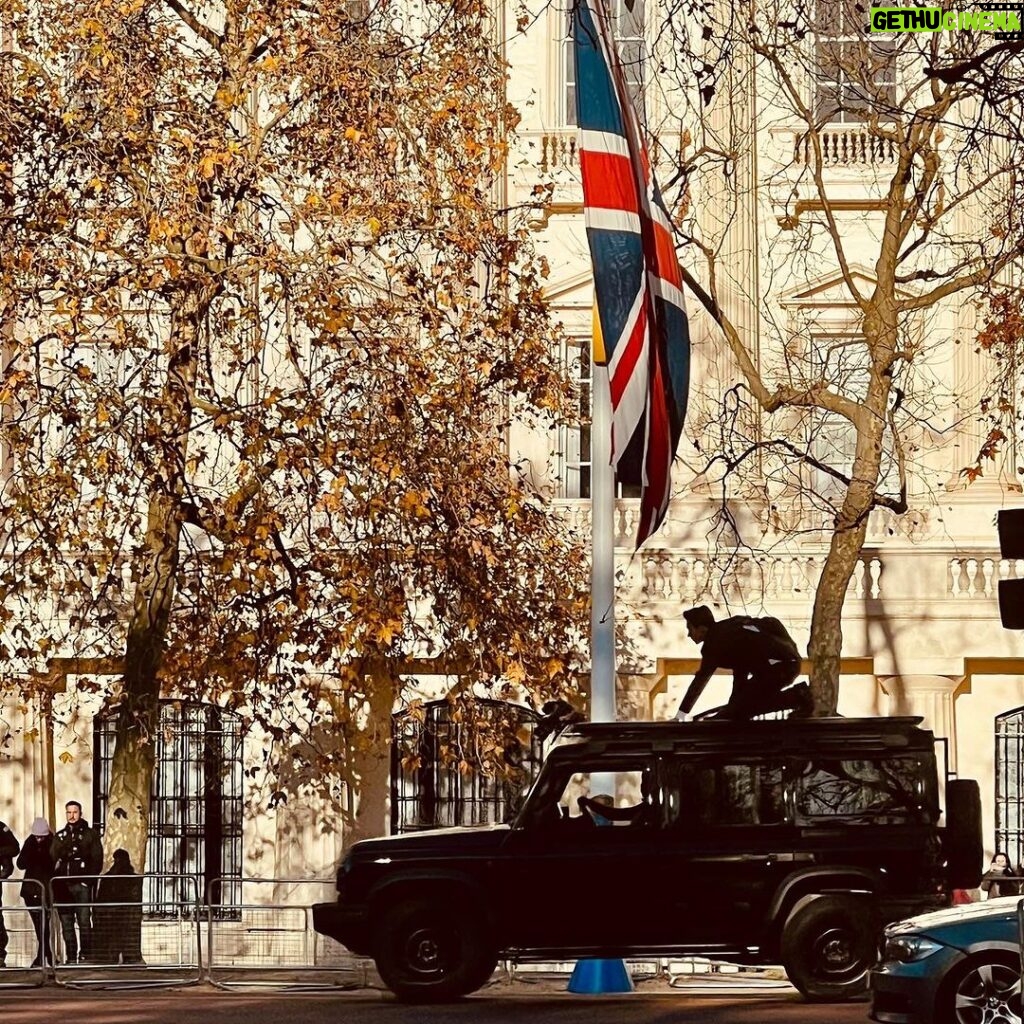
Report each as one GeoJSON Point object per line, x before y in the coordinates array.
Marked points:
{"type": "Point", "coordinates": [9, 847]}
{"type": "Point", "coordinates": [78, 857]}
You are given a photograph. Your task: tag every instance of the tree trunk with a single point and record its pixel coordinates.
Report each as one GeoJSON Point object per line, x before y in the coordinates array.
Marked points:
{"type": "Point", "coordinates": [131, 774]}
{"type": "Point", "coordinates": [826, 645]}
{"type": "Point", "coordinates": [370, 762]}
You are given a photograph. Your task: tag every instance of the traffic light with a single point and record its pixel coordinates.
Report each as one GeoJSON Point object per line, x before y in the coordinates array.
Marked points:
{"type": "Point", "coordinates": [1011, 545]}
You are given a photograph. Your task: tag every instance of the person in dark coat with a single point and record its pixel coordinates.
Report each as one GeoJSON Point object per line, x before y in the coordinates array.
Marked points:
{"type": "Point", "coordinates": [77, 857]}
{"type": "Point", "coordinates": [762, 655]}
{"type": "Point", "coordinates": [9, 847]}
{"type": "Point", "coordinates": [117, 919]}
{"type": "Point", "coordinates": [1000, 879]}
{"type": "Point", "coordinates": [37, 864]}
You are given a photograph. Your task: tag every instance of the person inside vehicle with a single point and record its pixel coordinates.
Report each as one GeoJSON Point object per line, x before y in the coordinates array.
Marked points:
{"type": "Point", "coordinates": [602, 806]}
{"type": "Point", "coordinates": [764, 660]}
{"type": "Point", "coordinates": [595, 806]}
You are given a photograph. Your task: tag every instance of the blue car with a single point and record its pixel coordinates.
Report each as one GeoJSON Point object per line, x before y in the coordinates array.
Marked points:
{"type": "Point", "coordinates": [954, 966]}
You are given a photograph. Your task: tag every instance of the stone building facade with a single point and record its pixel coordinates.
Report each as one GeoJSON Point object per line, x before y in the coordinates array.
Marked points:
{"type": "Point", "coordinates": [921, 628]}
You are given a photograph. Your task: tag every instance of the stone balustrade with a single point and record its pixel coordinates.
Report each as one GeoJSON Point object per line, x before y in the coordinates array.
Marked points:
{"type": "Point", "coordinates": [677, 576]}
{"type": "Point", "coordinates": [977, 575]}
{"type": "Point", "coordinates": [846, 145]}
{"type": "Point", "coordinates": [556, 150]}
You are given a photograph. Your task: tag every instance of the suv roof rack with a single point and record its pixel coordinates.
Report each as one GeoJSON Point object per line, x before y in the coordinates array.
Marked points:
{"type": "Point", "coordinates": [650, 730]}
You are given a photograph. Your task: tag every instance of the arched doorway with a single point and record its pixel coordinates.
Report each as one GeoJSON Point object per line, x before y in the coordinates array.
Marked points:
{"type": "Point", "coordinates": [195, 823]}
{"type": "Point", "coordinates": [446, 770]}
{"type": "Point", "coordinates": [1009, 767]}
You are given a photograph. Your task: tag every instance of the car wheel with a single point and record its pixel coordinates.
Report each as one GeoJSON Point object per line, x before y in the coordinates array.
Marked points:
{"type": "Point", "coordinates": [427, 953]}
{"type": "Point", "coordinates": [985, 991]}
{"type": "Point", "coordinates": [828, 948]}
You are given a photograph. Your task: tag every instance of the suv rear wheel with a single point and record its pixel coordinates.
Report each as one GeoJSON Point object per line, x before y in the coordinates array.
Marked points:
{"type": "Point", "coordinates": [427, 953]}
{"type": "Point", "coordinates": [828, 948]}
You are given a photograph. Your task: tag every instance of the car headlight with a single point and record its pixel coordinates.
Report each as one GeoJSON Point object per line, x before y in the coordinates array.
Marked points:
{"type": "Point", "coordinates": [908, 948]}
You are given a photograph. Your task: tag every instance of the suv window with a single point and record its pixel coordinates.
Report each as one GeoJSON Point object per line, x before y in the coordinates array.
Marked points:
{"type": "Point", "coordinates": [628, 784]}
{"type": "Point", "coordinates": [864, 790]}
{"type": "Point", "coordinates": [712, 794]}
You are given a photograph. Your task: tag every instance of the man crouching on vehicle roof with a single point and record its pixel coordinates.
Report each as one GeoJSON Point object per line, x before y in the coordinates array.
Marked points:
{"type": "Point", "coordinates": [764, 660]}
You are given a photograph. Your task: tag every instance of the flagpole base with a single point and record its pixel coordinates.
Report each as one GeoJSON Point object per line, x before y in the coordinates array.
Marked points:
{"type": "Point", "coordinates": [600, 977]}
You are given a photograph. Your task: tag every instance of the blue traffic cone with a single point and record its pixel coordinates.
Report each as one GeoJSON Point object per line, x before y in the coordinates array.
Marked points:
{"type": "Point", "coordinates": [594, 977]}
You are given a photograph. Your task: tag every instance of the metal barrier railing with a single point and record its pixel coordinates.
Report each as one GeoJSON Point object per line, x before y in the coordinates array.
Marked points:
{"type": "Point", "coordinates": [260, 932]}
{"type": "Point", "coordinates": [21, 929]}
{"type": "Point", "coordinates": [113, 928]}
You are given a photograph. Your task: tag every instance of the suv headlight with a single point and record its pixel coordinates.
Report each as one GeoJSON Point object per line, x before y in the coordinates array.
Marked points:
{"type": "Point", "coordinates": [908, 948]}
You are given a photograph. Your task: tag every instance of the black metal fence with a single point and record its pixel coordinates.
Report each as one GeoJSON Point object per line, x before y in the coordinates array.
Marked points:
{"type": "Point", "coordinates": [1009, 764]}
{"type": "Point", "coordinates": [195, 825]}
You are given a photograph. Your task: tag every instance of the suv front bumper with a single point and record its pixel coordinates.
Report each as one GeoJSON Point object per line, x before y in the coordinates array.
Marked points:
{"type": "Point", "coordinates": [345, 924]}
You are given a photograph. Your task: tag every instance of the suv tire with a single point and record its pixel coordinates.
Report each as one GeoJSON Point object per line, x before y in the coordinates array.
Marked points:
{"type": "Point", "coordinates": [828, 948]}
{"type": "Point", "coordinates": [428, 953]}
{"type": "Point", "coordinates": [963, 844]}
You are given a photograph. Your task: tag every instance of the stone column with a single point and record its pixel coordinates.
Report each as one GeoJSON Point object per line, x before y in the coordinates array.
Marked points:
{"type": "Point", "coordinates": [634, 697]}
{"type": "Point", "coordinates": [931, 697]}
{"type": "Point", "coordinates": [23, 764]}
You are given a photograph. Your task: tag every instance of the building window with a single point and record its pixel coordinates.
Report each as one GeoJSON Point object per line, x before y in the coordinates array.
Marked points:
{"type": "Point", "coordinates": [1010, 784]}
{"type": "Point", "coordinates": [854, 72]}
{"type": "Point", "coordinates": [195, 823]}
{"type": "Point", "coordinates": [573, 453]}
{"type": "Point", "coordinates": [842, 362]}
{"type": "Point", "coordinates": [573, 442]}
{"type": "Point", "coordinates": [627, 25]}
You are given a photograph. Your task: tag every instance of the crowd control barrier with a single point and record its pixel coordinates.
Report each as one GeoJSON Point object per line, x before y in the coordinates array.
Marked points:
{"type": "Point", "coordinates": [22, 922]}
{"type": "Point", "coordinates": [156, 930]}
{"type": "Point", "coordinates": [116, 929]}
{"type": "Point", "coordinates": [260, 934]}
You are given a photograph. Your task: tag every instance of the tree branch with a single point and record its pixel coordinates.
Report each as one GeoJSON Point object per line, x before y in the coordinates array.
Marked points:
{"type": "Point", "coordinates": [204, 32]}
{"type": "Point", "coordinates": [958, 72]}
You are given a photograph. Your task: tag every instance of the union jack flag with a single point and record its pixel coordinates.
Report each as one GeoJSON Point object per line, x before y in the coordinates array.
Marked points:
{"type": "Point", "coordinates": [641, 313]}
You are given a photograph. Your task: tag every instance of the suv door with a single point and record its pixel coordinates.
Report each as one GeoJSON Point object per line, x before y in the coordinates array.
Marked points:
{"type": "Point", "coordinates": [571, 881]}
{"type": "Point", "coordinates": [729, 842]}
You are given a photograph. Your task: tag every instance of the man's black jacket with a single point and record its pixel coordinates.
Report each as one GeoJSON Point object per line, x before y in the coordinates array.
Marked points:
{"type": "Point", "coordinates": [9, 847]}
{"type": "Point", "coordinates": [743, 644]}
{"type": "Point", "coordinates": [77, 850]}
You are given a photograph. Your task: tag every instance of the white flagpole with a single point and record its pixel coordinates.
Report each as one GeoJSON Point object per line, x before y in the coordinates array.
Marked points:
{"type": "Point", "coordinates": [602, 540]}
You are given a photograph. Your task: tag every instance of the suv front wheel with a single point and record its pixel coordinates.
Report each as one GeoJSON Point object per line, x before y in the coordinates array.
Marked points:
{"type": "Point", "coordinates": [427, 953]}
{"type": "Point", "coordinates": [828, 948]}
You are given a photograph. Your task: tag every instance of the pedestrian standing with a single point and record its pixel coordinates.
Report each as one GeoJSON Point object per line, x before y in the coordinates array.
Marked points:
{"type": "Point", "coordinates": [117, 921]}
{"type": "Point", "coordinates": [1000, 880]}
{"type": "Point", "coordinates": [37, 863]}
{"type": "Point", "coordinates": [9, 847]}
{"type": "Point", "coordinates": [77, 859]}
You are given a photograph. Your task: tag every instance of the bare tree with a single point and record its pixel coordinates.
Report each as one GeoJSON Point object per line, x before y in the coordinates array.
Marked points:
{"type": "Point", "coordinates": [934, 123]}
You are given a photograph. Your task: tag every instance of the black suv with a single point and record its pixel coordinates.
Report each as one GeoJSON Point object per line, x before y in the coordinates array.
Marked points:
{"type": "Point", "coordinates": [754, 842]}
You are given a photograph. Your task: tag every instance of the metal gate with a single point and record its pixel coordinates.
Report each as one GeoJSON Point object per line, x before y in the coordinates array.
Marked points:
{"type": "Point", "coordinates": [195, 824]}
{"type": "Point", "coordinates": [1010, 784]}
{"type": "Point", "coordinates": [461, 764]}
